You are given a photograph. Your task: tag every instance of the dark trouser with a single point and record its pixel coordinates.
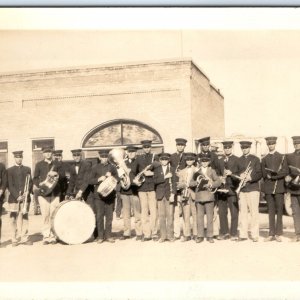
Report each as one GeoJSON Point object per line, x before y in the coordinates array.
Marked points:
{"type": "Point", "coordinates": [275, 204]}
{"type": "Point", "coordinates": [202, 208]}
{"type": "Point", "coordinates": [104, 208]}
{"type": "Point", "coordinates": [296, 212]}
{"type": "Point", "coordinates": [166, 218]}
{"type": "Point", "coordinates": [91, 202]}
{"type": "Point", "coordinates": [1, 205]}
{"type": "Point", "coordinates": [224, 203]}
{"type": "Point", "coordinates": [118, 205]}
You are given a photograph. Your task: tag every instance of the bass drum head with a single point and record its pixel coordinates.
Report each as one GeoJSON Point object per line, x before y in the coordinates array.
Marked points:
{"type": "Point", "coordinates": [73, 222]}
{"type": "Point", "coordinates": [288, 204]}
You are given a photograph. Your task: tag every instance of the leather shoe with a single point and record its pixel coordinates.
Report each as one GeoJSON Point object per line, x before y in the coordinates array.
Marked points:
{"type": "Point", "coordinates": [199, 240]}
{"type": "Point", "coordinates": [269, 238]}
{"type": "Point", "coordinates": [172, 239]}
{"type": "Point", "coordinates": [46, 243]}
{"type": "Point", "coordinates": [186, 239]}
{"type": "Point", "coordinates": [210, 240]}
{"type": "Point", "coordinates": [145, 239]}
{"type": "Point", "coordinates": [124, 237]}
{"type": "Point", "coordinates": [221, 237]}
{"type": "Point", "coordinates": [227, 236]}
{"type": "Point", "coordinates": [241, 239]}
{"type": "Point", "coordinates": [155, 238]}
{"type": "Point", "coordinates": [28, 243]}
{"type": "Point", "coordinates": [14, 244]}
{"type": "Point", "coordinates": [162, 240]}
{"type": "Point", "coordinates": [234, 238]}
{"type": "Point", "coordinates": [254, 240]}
{"type": "Point", "coordinates": [278, 238]}
{"type": "Point", "coordinates": [110, 240]}
{"type": "Point", "coordinates": [53, 242]}
{"type": "Point", "coordinates": [298, 238]}
{"type": "Point", "coordinates": [100, 241]}
{"type": "Point", "coordinates": [138, 238]}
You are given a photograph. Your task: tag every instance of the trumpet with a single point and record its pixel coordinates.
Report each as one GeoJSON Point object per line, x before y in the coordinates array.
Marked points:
{"type": "Point", "coordinates": [140, 177]}
{"type": "Point", "coordinates": [25, 194]}
{"type": "Point", "coordinates": [243, 180]}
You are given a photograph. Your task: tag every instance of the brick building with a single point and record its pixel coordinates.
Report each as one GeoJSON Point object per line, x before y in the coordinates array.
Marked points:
{"type": "Point", "coordinates": [107, 106]}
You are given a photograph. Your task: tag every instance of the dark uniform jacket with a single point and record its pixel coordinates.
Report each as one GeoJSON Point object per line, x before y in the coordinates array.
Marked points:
{"type": "Point", "coordinates": [3, 180]}
{"type": "Point", "coordinates": [133, 189]}
{"type": "Point", "coordinates": [98, 171]}
{"type": "Point", "coordinates": [214, 162]}
{"type": "Point", "coordinates": [256, 173]}
{"type": "Point", "coordinates": [230, 163]}
{"type": "Point", "coordinates": [177, 161]}
{"type": "Point", "coordinates": [142, 162]}
{"type": "Point", "coordinates": [164, 187]}
{"type": "Point", "coordinates": [277, 163]}
{"type": "Point", "coordinates": [63, 179]}
{"type": "Point", "coordinates": [293, 159]}
{"type": "Point", "coordinates": [16, 182]}
{"type": "Point", "coordinates": [40, 174]}
{"type": "Point", "coordinates": [79, 181]}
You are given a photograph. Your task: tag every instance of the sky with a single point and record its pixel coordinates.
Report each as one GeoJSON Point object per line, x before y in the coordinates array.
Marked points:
{"type": "Point", "coordinates": [255, 66]}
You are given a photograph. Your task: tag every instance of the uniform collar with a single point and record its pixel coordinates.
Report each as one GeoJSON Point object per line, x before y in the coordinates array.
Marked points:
{"type": "Point", "coordinates": [272, 152]}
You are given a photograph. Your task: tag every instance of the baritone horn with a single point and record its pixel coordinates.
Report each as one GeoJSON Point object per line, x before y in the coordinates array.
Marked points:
{"type": "Point", "coordinates": [116, 157]}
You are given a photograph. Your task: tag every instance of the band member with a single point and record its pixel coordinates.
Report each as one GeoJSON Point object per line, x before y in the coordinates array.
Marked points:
{"type": "Point", "coordinates": [79, 176]}
{"type": "Point", "coordinates": [249, 171]}
{"type": "Point", "coordinates": [177, 161]}
{"type": "Point", "coordinates": [64, 179]}
{"type": "Point", "coordinates": [274, 169]}
{"type": "Point", "coordinates": [3, 186]}
{"type": "Point", "coordinates": [293, 185]}
{"type": "Point", "coordinates": [130, 198]}
{"type": "Point", "coordinates": [214, 161]}
{"type": "Point", "coordinates": [145, 166]}
{"type": "Point", "coordinates": [165, 189]}
{"type": "Point", "coordinates": [207, 180]}
{"type": "Point", "coordinates": [104, 206]}
{"type": "Point", "coordinates": [185, 186]}
{"type": "Point", "coordinates": [20, 187]}
{"type": "Point", "coordinates": [47, 168]}
{"type": "Point", "coordinates": [228, 165]}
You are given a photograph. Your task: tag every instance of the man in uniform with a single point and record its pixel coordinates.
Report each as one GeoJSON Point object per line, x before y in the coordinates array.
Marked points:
{"type": "Point", "coordinates": [274, 169]}
{"type": "Point", "coordinates": [250, 192]}
{"type": "Point", "coordinates": [177, 161]}
{"type": "Point", "coordinates": [145, 165]}
{"type": "Point", "coordinates": [19, 179]}
{"type": "Point", "coordinates": [63, 180]}
{"type": "Point", "coordinates": [3, 186]}
{"type": "Point", "coordinates": [229, 200]}
{"type": "Point", "coordinates": [48, 203]}
{"type": "Point", "coordinates": [293, 185]}
{"type": "Point", "coordinates": [79, 176]}
{"type": "Point", "coordinates": [130, 198]}
{"type": "Point", "coordinates": [104, 206]}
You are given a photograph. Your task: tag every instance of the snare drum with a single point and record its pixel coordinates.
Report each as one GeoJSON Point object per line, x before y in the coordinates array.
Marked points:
{"type": "Point", "coordinates": [73, 222]}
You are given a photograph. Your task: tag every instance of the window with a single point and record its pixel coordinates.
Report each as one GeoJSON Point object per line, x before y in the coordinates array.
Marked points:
{"type": "Point", "coordinates": [3, 153]}
{"type": "Point", "coordinates": [121, 133]}
{"type": "Point", "coordinates": [37, 146]}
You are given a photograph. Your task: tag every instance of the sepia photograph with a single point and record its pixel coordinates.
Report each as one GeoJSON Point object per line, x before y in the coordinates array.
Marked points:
{"type": "Point", "coordinates": [149, 153]}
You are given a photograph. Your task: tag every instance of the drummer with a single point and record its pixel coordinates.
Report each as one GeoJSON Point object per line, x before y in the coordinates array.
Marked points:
{"type": "Point", "coordinates": [103, 205]}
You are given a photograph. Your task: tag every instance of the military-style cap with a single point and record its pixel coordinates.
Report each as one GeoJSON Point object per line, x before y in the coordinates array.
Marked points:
{"type": "Point", "coordinates": [47, 149]}
{"type": "Point", "coordinates": [204, 157]}
{"type": "Point", "coordinates": [146, 143]}
{"type": "Point", "coordinates": [57, 152]}
{"type": "Point", "coordinates": [76, 151]}
{"type": "Point", "coordinates": [180, 141]}
{"type": "Point", "coordinates": [165, 156]}
{"type": "Point", "coordinates": [296, 139]}
{"type": "Point", "coordinates": [227, 144]}
{"type": "Point", "coordinates": [190, 156]}
{"type": "Point", "coordinates": [103, 153]}
{"type": "Point", "coordinates": [204, 141]}
{"type": "Point", "coordinates": [245, 144]}
{"type": "Point", "coordinates": [131, 148]}
{"type": "Point", "coordinates": [271, 140]}
{"type": "Point", "coordinates": [18, 154]}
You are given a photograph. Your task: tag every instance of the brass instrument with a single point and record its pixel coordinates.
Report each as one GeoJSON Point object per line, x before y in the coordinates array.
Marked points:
{"type": "Point", "coordinates": [296, 181]}
{"type": "Point", "coordinates": [47, 186]}
{"type": "Point", "coordinates": [243, 181]}
{"type": "Point", "coordinates": [116, 157]}
{"type": "Point", "coordinates": [279, 168]}
{"type": "Point", "coordinates": [186, 192]}
{"type": "Point", "coordinates": [140, 178]}
{"type": "Point", "coordinates": [204, 179]}
{"type": "Point", "coordinates": [171, 199]}
{"type": "Point", "coordinates": [25, 194]}
{"type": "Point", "coordinates": [180, 159]}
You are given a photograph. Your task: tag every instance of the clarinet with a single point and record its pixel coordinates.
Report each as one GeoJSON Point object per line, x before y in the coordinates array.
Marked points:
{"type": "Point", "coordinates": [171, 185]}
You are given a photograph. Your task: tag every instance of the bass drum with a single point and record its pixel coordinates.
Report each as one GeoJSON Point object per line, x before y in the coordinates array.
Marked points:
{"type": "Point", "coordinates": [73, 222]}
{"type": "Point", "coordinates": [288, 203]}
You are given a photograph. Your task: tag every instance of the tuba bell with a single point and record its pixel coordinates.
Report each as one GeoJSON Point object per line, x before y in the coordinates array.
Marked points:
{"type": "Point", "coordinates": [116, 157]}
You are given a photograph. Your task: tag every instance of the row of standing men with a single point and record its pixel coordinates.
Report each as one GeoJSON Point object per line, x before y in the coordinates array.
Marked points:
{"type": "Point", "coordinates": [181, 183]}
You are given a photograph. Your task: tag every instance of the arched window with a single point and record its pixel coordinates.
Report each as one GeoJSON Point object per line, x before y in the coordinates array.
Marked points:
{"type": "Point", "coordinates": [118, 133]}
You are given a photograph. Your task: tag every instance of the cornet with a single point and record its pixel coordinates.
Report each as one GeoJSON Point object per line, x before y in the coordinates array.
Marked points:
{"type": "Point", "coordinates": [243, 181]}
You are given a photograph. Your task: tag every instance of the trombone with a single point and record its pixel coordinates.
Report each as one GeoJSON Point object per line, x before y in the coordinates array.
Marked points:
{"type": "Point", "coordinates": [25, 194]}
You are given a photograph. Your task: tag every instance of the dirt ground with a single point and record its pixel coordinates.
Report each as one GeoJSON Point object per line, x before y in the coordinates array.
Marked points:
{"type": "Point", "coordinates": [132, 260]}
